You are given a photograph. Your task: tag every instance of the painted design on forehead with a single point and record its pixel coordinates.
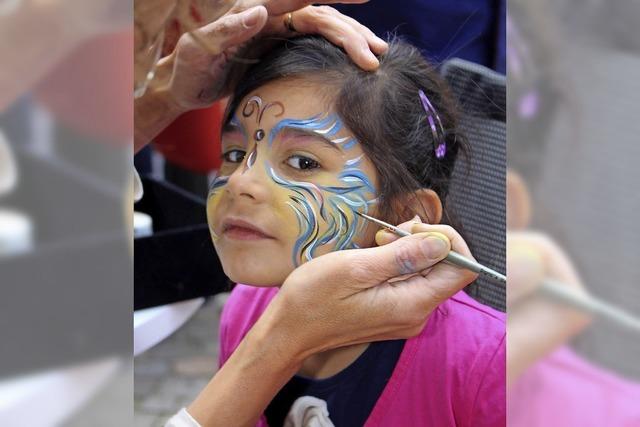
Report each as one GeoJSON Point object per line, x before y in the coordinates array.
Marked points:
{"type": "Point", "coordinates": [327, 127]}
{"type": "Point", "coordinates": [251, 158]}
{"type": "Point", "coordinates": [336, 206]}
{"type": "Point", "coordinates": [216, 185]}
{"type": "Point", "coordinates": [255, 106]}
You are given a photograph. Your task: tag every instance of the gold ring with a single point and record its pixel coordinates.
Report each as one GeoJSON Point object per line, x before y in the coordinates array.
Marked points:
{"type": "Point", "coordinates": [288, 22]}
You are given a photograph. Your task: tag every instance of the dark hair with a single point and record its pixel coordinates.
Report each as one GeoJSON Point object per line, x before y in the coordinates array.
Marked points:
{"type": "Point", "coordinates": [381, 108]}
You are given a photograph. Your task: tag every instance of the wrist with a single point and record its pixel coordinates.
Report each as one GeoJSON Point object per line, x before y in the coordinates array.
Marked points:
{"type": "Point", "coordinates": [272, 337]}
{"type": "Point", "coordinates": [249, 379]}
{"type": "Point", "coordinates": [153, 112]}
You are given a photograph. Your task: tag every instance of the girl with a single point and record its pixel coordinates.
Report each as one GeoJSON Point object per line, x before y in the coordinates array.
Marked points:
{"type": "Point", "coordinates": [309, 142]}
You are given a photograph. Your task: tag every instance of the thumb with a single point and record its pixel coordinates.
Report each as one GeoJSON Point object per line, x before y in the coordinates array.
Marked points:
{"type": "Point", "coordinates": [233, 29]}
{"type": "Point", "coordinates": [526, 271]}
{"type": "Point", "coordinates": [408, 255]}
{"type": "Point", "coordinates": [384, 236]}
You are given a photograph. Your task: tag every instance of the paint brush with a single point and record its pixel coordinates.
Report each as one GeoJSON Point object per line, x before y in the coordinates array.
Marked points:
{"type": "Point", "coordinates": [549, 288]}
{"type": "Point", "coordinates": [452, 257]}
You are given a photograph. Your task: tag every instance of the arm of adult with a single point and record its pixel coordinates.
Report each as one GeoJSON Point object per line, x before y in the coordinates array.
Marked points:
{"type": "Point", "coordinates": [198, 71]}
{"type": "Point", "coordinates": [337, 299]}
{"type": "Point", "coordinates": [35, 36]}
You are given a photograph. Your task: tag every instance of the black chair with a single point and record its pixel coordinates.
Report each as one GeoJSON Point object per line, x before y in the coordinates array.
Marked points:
{"type": "Point", "coordinates": [478, 189]}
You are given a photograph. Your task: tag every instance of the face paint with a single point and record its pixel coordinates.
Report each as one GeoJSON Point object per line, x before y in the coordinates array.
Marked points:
{"type": "Point", "coordinates": [212, 201]}
{"type": "Point", "coordinates": [326, 127]}
{"type": "Point", "coordinates": [325, 213]}
{"type": "Point", "coordinates": [255, 105]}
{"type": "Point", "coordinates": [337, 209]}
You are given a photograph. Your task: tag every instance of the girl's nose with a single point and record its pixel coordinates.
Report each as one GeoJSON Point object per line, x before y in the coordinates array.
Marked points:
{"type": "Point", "coordinates": [248, 183]}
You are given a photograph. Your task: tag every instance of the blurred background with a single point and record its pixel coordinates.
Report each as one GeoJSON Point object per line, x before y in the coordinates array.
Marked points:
{"type": "Point", "coordinates": [66, 131]}
{"type": "Point", "coordinates": [572, 136]}
{"type": "Point", "coordinates": [572, 139]}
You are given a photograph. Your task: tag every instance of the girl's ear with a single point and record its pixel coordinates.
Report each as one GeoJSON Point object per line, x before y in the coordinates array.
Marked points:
{"type": "Point", "coordinates": [424, 202]}
{"type": "Point", "coordinates": [518, 202]}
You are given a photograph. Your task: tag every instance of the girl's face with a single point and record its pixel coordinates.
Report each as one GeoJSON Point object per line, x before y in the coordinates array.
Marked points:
{"type": "Point", "coordinates": [292, 179]}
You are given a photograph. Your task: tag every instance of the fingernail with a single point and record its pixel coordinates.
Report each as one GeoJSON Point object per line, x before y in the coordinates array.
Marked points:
{"type": "Point", "coordinates": [370, 56]}
{"type": "Point", "coordinates": [381, 236]}
{"type": "Point", "coordinates": [251, 18]}
{"type": "Point", "coordinates": [435, 245]}
{"type": "Point", "coordinates": [524, 257]}
{"type": "Point", "coordinates": [523, 264]}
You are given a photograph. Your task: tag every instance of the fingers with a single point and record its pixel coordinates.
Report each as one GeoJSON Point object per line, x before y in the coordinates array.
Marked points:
{"type": "Point", "coordinates": [411, 254]}
{"type": "Point", "coordinates": [532, 255]}
{"type": "Point", "coordinates": [233, 29]}
{"type": "Point", "coordinates": [458, 244]}
{"type": "Point", "coordinates": [526, 271]}
{"type": "Point", "coordinates": [280, 7]}
{"type": "Point", "coordinates": [334, 26]}
{"type": "Point", "coordinates": [384, 236]}
{"type": "Point", "coordinates": [377, 45]}
{"type": "Point", "coordinates": [359, 42]}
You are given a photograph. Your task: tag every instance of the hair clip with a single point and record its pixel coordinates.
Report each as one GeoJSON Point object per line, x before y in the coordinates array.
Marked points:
{"type": "Point", "coordinates": [432, 117]}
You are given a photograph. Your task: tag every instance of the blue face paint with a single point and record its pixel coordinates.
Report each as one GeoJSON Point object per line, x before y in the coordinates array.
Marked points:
{"type": "Point", "coordinates": [326, 127]}
{"type": "Point", "coordinates": [326, 214]}
{"type": "Point", "coordinates": [337, 209]}
{"type": "Point", "coordinates": [212, 200]}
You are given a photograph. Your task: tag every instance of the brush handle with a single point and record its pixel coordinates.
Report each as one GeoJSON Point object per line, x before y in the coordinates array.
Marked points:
{"type": "Point", "coordinates": [589, 304]}
{"type": "Point", "coordinates": [453, 257]}
{"type": "Point", "coordinates": [464, 262]}
{"type": "Point", "coordinates": [551, 289]}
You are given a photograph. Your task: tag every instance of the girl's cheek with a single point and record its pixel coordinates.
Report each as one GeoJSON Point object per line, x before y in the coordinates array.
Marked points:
{"type": "Point", "coordinates": [213, 204]}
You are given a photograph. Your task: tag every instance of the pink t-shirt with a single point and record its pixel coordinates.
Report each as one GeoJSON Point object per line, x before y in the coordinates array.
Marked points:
{"type": "Point", "coordinates": [452, 374]}
{"type": "Point", "coordinates": [563, 389]}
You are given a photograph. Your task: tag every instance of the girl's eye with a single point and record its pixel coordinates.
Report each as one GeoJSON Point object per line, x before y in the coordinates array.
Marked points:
{"type": "Point", "coordinates": [303, 163]}
{"type": "Point", "coordinates": [234, 156]}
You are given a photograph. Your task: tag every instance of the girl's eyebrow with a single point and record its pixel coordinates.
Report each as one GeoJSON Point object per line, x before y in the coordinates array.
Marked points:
{"type": "Point", "coordinates": [231, 126]}
{"type": "Point", "coordinates": [293, 132]}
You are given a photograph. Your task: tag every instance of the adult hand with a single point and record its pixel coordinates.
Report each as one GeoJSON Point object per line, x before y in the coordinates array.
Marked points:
{"type": "Point", "coordinates": [199, 70]}
{"type": "Point", "coordinates": [201, 61]}
{"type": "Point", "coordinates": [364, 295]}
{"type": "Point", "coordinates": [340, 298]}
{"type": "Point", "coordinates": [65, 24]}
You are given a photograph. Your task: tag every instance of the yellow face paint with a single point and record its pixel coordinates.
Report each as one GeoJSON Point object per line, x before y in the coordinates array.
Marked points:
{"type": "Point", "coordinates": [212, 202]}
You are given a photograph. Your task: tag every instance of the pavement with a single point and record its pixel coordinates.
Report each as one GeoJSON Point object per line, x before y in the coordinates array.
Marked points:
{"type": "Point", "coordinates": [170, 375]}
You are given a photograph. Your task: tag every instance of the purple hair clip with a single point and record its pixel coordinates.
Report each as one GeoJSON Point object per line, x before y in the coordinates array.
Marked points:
{"type": "Point", "coordinates": [432, 117]}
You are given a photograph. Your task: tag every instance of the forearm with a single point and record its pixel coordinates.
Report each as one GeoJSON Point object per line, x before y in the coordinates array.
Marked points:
{"type": "Point", "coordinates": [27, 54]}
{"type": "Point", "coordinates": [153, 112]}
{"type": "Point", "coordinates": [238, 394]}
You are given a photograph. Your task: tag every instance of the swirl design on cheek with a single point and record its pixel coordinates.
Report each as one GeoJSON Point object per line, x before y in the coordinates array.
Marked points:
{"type": "Point", "coordinates": [336, 205]}
{"type": "Point", "coordinates": [216, 186]}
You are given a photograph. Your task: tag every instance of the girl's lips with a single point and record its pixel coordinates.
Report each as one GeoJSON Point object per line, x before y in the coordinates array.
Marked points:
{"type": "Point", "coordinates": [242, 230]}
